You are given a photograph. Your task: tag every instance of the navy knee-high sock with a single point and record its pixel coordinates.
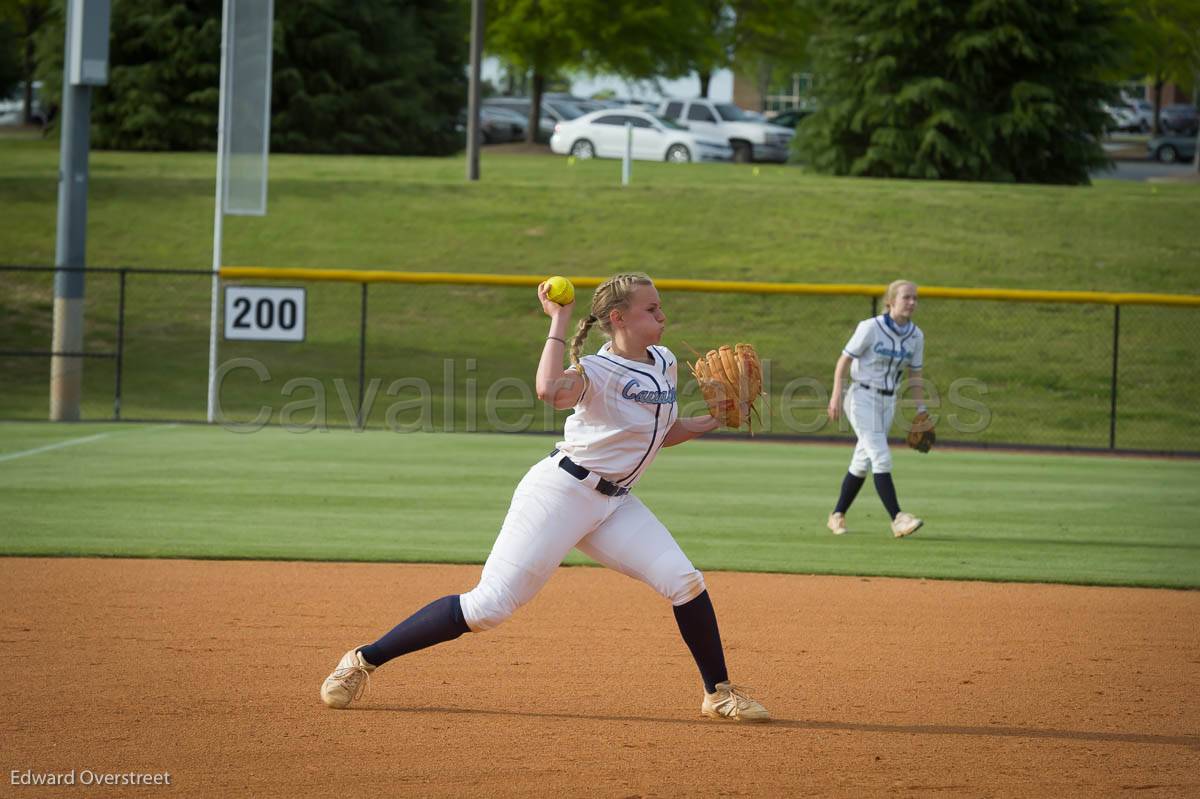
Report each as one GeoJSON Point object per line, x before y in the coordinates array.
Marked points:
{"type": "Point", "coordinates": [850, 485]}
{"type": "Point", "coordinates": [698, 624]}
{"type": "Point", "coordinates": [887, 492]}
{"type": "Point", "coordinates": [440, 620]}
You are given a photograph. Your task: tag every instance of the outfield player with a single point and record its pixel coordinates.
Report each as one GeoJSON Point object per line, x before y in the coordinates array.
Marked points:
{"type": "Point", "coordinates": [880, 351]}
{"type": "Point", "coordinates": [580, 496]}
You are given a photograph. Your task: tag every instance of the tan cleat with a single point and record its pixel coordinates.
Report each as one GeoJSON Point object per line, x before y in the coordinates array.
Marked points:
{"type": "Point", "coordinates": [837, 523]}
{"type": "Point", "coordinates": [905, 524]}
{"type": "Point", "coordinates": [730, 702]}
{"type": "Point", "coordinates": [347, 682]}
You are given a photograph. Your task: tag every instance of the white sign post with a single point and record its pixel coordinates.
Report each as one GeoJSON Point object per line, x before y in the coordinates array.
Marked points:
{"type": "Point", "coordinates": [243, 136]}
{"type": "Point", "coordinates": [627, 161]}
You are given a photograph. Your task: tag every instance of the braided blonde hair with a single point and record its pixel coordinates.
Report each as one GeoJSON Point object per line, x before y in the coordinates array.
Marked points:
{"type": "Point", "coordinates": [893, 291]}
{"type": "Point", "coordinates": [612, 294]}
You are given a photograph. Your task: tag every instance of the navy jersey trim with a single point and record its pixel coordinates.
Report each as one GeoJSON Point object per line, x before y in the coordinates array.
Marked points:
{"type": "Point", "coordinates": [657, 414]}
{"type": "Point", "coordinates": [891, 379]}
{"type": "Point", "coordinates": [675, 407]}
{"type": "Point", "coordinates": [661, 357]}
{"type": "Point", "coordinates": [891, 323]}
{"type": "Point", "coordinates": [887, 372]}
{"type": "Point", "coordinates": [666, 364]}
{"type": "Point", "coordinates": [604, 367]}
{"type": "Point", "coordinates": [911, 334]}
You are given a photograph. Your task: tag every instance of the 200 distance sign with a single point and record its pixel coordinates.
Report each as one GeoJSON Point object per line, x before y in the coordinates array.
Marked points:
{"type": "Point", "coordinates": [264, 314]}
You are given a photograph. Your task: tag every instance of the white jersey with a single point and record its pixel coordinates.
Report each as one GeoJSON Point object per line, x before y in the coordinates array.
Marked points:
{"type": "Point", "coordinates": [882, 350]}
{"type": "Point", "coordinates": [623, 415]}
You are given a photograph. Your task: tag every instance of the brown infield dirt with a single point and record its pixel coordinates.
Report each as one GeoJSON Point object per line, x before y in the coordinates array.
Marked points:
{"type": "Point", "coordinates": [210, 671]}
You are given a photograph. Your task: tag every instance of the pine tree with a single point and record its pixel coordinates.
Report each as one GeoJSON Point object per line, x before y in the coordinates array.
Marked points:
{"type": "Point", "coordinates": [380, 77]}
{"type": "Point", "coordinates": [385, 76]}
{"type": "Point", "coordinates": [1001, 90]}
{"type": "Point", "coordinates": [10, 60]}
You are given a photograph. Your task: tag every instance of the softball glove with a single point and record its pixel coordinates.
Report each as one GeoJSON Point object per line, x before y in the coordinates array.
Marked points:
{"type": "Point", "coordinates": [921, 434]}
{"type": "Point", "coordinates": [730, 379]}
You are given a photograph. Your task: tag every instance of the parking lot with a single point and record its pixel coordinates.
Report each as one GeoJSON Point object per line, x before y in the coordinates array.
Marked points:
{"type": "Point", "coordinates": [1128, 169]}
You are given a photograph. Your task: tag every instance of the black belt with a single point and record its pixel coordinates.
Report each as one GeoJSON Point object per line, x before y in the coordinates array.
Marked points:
{"type": "Point", "coordinates": [606, 487]}
{"type": "Point", "coordinates": [868, 387]}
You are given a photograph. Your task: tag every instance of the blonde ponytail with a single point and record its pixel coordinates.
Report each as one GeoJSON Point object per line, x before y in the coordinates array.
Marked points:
{"type": "Point", "coordinates": [581, 334]}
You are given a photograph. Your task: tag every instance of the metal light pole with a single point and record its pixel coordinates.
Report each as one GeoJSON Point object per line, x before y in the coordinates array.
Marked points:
{"type": "Point", "coordinates": [473, 133]}
{"type": "Point", "coordinates": [85, 65]}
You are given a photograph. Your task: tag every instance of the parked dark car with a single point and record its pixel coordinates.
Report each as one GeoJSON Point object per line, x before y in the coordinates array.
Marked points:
{"type": "Point", "coordinates": [790, 118]}
{"type": "Point", "coordinates": [1179, 118]}
{"type": "Point", "coordinates": [496, 125]}
{"type": "Point", "coordinates": [501, 124]}
{"type": "Point", "coordinates": [1169, 149]}
{"type": "Point", "coordinates": [553, 111]}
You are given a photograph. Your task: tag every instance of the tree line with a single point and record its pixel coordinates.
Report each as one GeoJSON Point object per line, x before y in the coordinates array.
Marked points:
{"type": "Point", "coordinates": [1007, 90]}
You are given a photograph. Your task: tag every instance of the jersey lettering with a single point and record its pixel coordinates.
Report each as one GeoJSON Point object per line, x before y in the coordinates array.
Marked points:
{"type": "Point", "coordinates": [662, 397]}
{"type": "Point", "coordinates": [887, 352]}
{"type": "Point", "coordinates": [882, 352]}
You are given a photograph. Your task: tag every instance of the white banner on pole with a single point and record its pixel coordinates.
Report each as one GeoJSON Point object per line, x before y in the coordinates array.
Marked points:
{"type": "Point", "coordinates": [243, 136]}
{"type": "Point", "coordinates": [248, 106]}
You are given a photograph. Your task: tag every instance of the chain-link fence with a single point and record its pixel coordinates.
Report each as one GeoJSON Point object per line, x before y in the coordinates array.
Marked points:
{"type": "Point", "coordinates": [432, 356]}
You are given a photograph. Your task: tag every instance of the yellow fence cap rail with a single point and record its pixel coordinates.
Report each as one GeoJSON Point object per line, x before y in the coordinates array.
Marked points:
{"type": "Point", "coordinates": [714, 286]}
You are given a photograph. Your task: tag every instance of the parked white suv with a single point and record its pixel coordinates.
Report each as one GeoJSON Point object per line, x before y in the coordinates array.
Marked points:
{"type": "Point", "coordinates": [751, 139]}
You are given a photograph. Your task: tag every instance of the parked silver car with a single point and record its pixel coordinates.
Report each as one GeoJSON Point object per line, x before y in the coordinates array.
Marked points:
{"type": "Point", "coordinates": [1170, 149]}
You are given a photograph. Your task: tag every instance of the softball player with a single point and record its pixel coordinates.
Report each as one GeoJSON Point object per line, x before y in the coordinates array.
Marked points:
{"type": "Point", "coordinates": [881, 348]}
{"type": "Point", "coordinates": [580, 496]}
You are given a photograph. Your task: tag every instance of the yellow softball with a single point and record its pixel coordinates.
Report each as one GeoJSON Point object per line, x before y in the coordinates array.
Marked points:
{"type": "Point", "coordinates": [560, 290]}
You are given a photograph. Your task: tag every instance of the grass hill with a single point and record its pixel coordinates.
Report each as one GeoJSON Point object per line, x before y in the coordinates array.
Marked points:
{"type": "Point", "coordinates": [1035, 373]}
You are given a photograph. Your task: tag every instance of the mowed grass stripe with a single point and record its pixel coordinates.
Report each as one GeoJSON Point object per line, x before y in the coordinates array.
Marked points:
{"type": "Point", "coordinates": [68, 435]}
{"type": "Point", "coordinates": [200, 492]}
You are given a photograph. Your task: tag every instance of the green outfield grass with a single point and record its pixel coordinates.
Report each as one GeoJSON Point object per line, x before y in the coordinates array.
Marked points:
{"type": "Point", "coordinates": [1047, 369]}
{"type": "Point", "coordinates": [199, 492]}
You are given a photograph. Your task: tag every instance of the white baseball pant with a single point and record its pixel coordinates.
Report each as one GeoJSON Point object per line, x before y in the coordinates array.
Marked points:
{"type": "Point", "coordinates": [552, 512]}
{"type": "Point", "coordinates": [870, 414]}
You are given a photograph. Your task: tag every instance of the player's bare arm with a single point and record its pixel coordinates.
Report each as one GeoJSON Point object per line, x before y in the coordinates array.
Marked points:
{"type": "Point", "coordinates": [839, 378]}
{"type": "Point", "coordinates": [689, 428]}
{"type": "Point", "coordinates": [555, 386]}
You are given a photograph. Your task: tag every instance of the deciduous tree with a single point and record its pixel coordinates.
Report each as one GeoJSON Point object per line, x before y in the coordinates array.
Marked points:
{"type": "Point", "coordinates": [630, 38]}
{"type": "Point", "coordinates": [1165, 36]}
